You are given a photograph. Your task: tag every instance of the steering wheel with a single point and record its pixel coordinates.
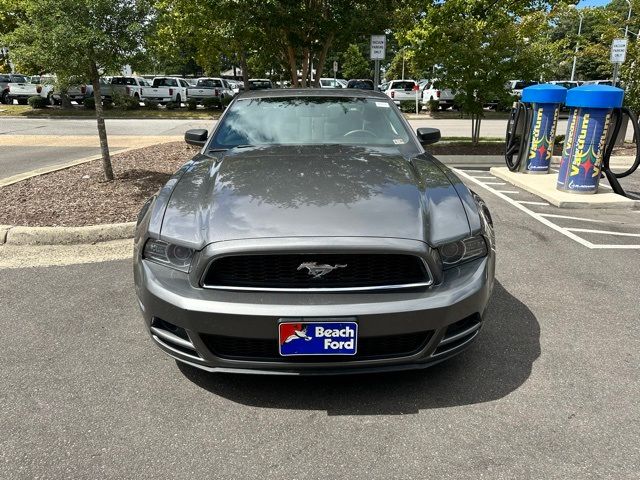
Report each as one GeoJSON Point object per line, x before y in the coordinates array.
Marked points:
{"type": "Point", "coordinates": [360, 130]}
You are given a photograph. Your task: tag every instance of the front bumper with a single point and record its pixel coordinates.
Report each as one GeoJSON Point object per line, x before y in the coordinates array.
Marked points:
{"type": "Point", "coordinates": [448, 315]}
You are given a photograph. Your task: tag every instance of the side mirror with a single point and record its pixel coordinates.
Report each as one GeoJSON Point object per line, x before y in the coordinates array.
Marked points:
{"type": "Point", "coordinates": [197, 137]}
{"type": "Point", "coordinates": [428, 136]}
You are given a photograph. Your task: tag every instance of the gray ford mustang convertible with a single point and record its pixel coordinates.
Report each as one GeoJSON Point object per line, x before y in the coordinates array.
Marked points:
{"type": "Point", "coordinates": [313, 235]}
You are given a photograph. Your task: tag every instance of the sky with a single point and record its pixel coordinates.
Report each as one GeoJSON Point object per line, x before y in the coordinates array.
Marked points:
{"type": "Point", "coordinates": [592, 3]}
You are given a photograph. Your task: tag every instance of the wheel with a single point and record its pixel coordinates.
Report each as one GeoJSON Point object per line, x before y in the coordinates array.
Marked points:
{"type": "Point", "coordinates": [4, 98]}
{"type": "Point", "coordinates": [179, 100]}
{"type": "Point", "coordinates": [137, 97]}
{"type": "Point", "coordinates": [51, 100]}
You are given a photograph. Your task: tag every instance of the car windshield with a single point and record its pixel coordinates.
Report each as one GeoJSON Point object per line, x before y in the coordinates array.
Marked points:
{"type": "Point", "coordinates": [19, 79]}
{"type": "Point", "coordinates": [311, 121]}
{"type": "Point", "coordinates": [165, 82]}
{"type": "Point", "coordinates": [361, 84]}
{"type": "Point", "coordinates": [209, 83]}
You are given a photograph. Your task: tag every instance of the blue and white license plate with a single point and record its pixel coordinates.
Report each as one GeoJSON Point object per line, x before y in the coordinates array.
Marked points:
{"type": "Point", "coordinates": [318, 338]}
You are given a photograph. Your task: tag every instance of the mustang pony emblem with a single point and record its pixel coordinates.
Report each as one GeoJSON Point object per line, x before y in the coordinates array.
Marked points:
{"type": "Point", "coordinates": [317, 271]}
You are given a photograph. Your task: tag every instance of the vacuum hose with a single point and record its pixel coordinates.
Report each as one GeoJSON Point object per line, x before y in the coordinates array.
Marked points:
{"type": "Point", "coordinates": [612, 177]}
{"type": "Point", "coordinates": [515, 143]}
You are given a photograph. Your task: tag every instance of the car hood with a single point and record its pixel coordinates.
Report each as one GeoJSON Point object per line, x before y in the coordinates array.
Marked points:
{"type": "Point", "coordinates": [313, 191]}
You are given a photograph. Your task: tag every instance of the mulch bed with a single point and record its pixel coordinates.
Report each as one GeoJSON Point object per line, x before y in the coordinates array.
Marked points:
{"type": "Point", "coordinates": [79, 196]}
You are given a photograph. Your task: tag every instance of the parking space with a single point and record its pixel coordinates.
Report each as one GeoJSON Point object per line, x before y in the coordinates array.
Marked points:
{"type": "Point", "coordinates": [591, 228]}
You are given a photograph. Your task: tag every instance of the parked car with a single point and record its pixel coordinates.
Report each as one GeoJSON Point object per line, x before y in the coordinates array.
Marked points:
{"type": "Point", "coordinates": [42, 86]}
{"type": "Point", "coordinates": [342, 82]}
{"type": "Point", "coordinates": [401, 90]}
{"type": "Point", "coordinates": [77, 91]}
{"type": "Point", "coordinates": [5, 80]}
{"type": "Point", "coordinates": [361, 84]}
{"type": "Point", "coordinates": [131, 86]}
{"type": "Point", "coordinates": [568, 84]}
{"type": "Point", "coordinates": [432, 91]}
{"type": "Point", "coordinates": [166, 89]}
{"type": "Point", "coordinates": [515, 87]}
{"type": "Point", "coordinates": [211, 87]}
{"type": "Point", "coordinates": [330, 83]}
{"type": "Point", "coordinates": [313, 223]}
{"type": "Point", "coordinates": [235, 86]}
{"type": "Point", "coordinates": [598, 82]}
{"type": "Point", "coordinates": [257, 84]}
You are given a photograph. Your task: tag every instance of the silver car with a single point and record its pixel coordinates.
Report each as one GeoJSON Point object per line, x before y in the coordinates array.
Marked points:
{"type": "Point", "coordinates": [313, 234]}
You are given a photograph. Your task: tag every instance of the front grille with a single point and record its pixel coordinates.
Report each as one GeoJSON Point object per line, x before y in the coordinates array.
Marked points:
{"type": "Point", "coordinates": [261, 349]}
{"type": "Point", "coordinates": [295, 271]}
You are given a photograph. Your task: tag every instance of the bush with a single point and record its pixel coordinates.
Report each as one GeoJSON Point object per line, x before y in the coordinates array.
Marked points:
{"type": "Point", "coordinates": [408, 106]}
{"type": "Point", "coordinates": [38, 102]}
{"type": "Point", "coordinates": [151, 104]}
{"type": "Point", "coordinates": [107, 103]}
{"type": "Point", "coordinates": [89, 103]}
{"type": "Point", "coordinates": [226, 100]}
{"type": "Point", "coordinates": [125, 102]}
{"type": "Point", "coordinates": [433, 106]}
{"type": "Point", "coordinates": [192, 104]}
{"type": "Point", "coordinates": [211, 103]}
{"type": "Point", "coordinates": [172, 105]}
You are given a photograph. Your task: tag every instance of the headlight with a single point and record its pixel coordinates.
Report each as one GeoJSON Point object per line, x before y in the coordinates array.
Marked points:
{"type": "Point", "coordinates": [455, 253]}
{"type": "Point", "coordinates": [168, 254]}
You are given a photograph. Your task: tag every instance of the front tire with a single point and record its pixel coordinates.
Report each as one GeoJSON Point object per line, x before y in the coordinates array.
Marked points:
{"type": "Point", "coordinates": [4, 98]}
{"type": "Point", "coordinates": [179, 100]}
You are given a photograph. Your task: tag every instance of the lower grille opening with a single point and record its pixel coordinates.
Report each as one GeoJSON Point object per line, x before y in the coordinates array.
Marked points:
{"type": "Point", "coordinates": [459, 333]}
{"type": "Point", "coordinates": [173, 336]}
{"type": "Point", "coordinates": [260, 349]}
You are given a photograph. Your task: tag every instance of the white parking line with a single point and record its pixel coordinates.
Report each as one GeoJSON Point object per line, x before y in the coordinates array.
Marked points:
{"type": "Point", "coordinates": [524, 202]}
{"type": "Point", "coordinates": [507, 191]}
{"type": "Point", "coordinates": [542, 219]}
{"type": "Point", "coordinates": [604, 232]}
{"type": "Point", "coordinates": [568, 217]}
{"type": "Point", "coordinates": [494, 183]}
{"type": "Point", "coordinates": [483, 178]}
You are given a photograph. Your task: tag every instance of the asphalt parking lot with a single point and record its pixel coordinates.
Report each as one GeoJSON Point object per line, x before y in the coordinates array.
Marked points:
{"type": "Point", "coordinates": [549, 390]}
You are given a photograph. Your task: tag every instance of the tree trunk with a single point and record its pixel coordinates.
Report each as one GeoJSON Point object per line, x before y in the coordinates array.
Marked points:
{"type": "Point", "coordinates": [476, 119]}
{"type": "Point", "coordinates": [322, 60]}
{"type": "Point", "coordinates": [64, 100]}
{"type": "Point", "coordinates": [245, 73]}
{"type": "Point", "coordinates": [102, 130]}
{"type": "Point", "coordinates": [293, 68]}
{"type": "Point", "coordinates": [305, 67]}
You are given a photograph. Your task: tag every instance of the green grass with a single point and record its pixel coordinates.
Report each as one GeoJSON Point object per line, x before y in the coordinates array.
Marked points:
{"type": "Point", "coordinates": [28, 112]}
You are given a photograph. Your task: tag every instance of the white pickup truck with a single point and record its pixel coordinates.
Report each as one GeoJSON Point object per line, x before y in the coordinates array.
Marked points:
{"type": "Point", "coordinates": [208, 87]}
{"type": "Point", "coordinates": [401, 90]}
{"type": "Point", "coordinates": [131, 86]}
{"type": "Point", "coordinates": [432, 91]}
{"type": "Point", "coordinates": [37, 86]}
{"type": "Point", "coordinates": [166, 89]}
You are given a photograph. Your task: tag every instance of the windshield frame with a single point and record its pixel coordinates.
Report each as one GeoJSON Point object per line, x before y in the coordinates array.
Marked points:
{"type": "Point", "coordinates": [412, 146]}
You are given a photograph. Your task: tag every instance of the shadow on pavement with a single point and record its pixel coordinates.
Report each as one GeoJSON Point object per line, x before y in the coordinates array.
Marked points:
{"type": "Point", "coordinates": [497, 364]}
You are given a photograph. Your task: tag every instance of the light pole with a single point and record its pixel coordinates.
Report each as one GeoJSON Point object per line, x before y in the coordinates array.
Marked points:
{"type": "Point", "coordinates": [575, 54]}
{"type": "Point", "coordinates": [626, 29]}
{"type": "Point", "coordinates": [402, 50]}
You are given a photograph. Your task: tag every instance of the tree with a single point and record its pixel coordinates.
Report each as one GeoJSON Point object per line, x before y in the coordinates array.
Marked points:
{"type": "Point", "coordinates": [81, 37]}
{"type": "Point", "coordinates": [477, 46]}
{"type": "Point", "coordinates": [354, 64]}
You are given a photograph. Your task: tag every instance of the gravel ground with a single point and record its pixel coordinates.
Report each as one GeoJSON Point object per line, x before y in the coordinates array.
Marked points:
{"type": "Point", "coordinates": [79, 195]}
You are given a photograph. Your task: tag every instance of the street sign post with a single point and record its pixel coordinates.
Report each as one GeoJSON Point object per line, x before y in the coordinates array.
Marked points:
{"type": "Point", "coordinates": [377, 52]}
{"type": "Point", "coordinates": [335, 71]}
{"type": "Point", "coordinates": [618, 56]}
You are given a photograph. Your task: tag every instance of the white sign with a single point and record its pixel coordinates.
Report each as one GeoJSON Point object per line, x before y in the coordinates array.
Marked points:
{"type": "Point", "coordinates": [618, 50]}
{"type": "Point", "coordinates": [335, 66]}
{"type": "Point", "coordinates": [378, 47]}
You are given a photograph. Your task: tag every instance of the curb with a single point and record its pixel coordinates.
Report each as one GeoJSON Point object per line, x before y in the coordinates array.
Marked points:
{"type": "Point", "coordinates": [4, 182]}
{"type": "Point", "coordinates": [10, 235]}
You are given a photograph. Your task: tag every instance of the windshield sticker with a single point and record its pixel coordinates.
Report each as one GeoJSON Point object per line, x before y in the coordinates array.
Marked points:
{"type": "Point", "coordinates": [382, 104]}
{"type": "Point", "coordinates": [398, 141]}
